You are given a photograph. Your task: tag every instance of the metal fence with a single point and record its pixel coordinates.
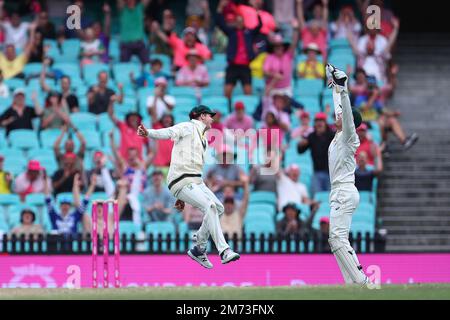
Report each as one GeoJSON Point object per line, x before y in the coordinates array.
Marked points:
{"type": "Point", "coordinates": [179, 244]}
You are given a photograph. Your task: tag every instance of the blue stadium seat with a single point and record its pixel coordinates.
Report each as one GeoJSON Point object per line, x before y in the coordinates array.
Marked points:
{"type": "Point", "coordinates": [23, 139]}
{"type": "Point", "coordinates": [114, 49]}
{"type": "Point", "coordinates": [263, 197]}
{"type": "Point", "coordinates": [35, 199]}
{"type": "Point", "coordinates": [32, 68]}
{"type": "Point", "coordinates": [164, 228]}
{"type": "Point", "coordinates": [92, 138]}
{"type": "Point", "coordinates": [84, 121]}
{"type": "Point", "coordinates": [182, 91]}
{"type": "Point", "coordinates": [184, 104]}
{"type": "Point", "coordinates": [128, 228]}
{"type": "Point", "coordinates": [99, 196]}
{"type": "Point", "coordinates": [338, 43]}
{"type": "Point", "coordinates": [91, 71]}
{"type": "Point", "coordinates": [258, 228]}
{"type": "Point", "coordinates": [122, 71]}
{"type": "Point", "coordinates": [14, 83]}
{"type": "Point", "coordinates": [311, 104]}
{"type": "Point", "coordinates": [71, 69]}
{"type": "Point", "coordinates": [48, 137]}
{"type": "Point", "coordinates": [308, 87]}
{"type": "Point", "coordinates": [104, 123]}
{"type": "Point", "coordinates": [322, 196]}
{"type": "Point", "coordinates": [363, 227]}
{"type": "Point", "coordinates": [128, 105]}
{"type": "Point", "coordinates": [9, 199]}
{"type": "Point", "coordinates": [14, 165]}
{"type": "Point", "coordinates": [261, 207]}
{"type": "Point", "coordinates": [256, 217]}
{"type": "Point", "coordinates": [250, 102]}
{"type": "Point", "coordinates": [106, 141]}
{"type": "Point", "coordinates": [40, 152]}
{"type": "Point", "coordinates": [219, 103]}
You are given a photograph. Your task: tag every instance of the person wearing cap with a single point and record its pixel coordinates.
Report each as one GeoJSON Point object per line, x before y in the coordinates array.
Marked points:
{"type": "Point", "coordinates": [127, 128]}
{"type": "Point", "coordinates": [344, 197]}
{"type": "Point", "coordinates": [240, 50]}
{"type": "Point", "coordinates": [315, 31]}
{"type": "Point", "coordinates": [18, 115]}
{"type": "Point", "coordinates": [311, 68]}
{"type": "Point", "coordinates": [160, 102]}
{"type": "Point", "coordinates": [66, 221]}
{"type": "Point", "coordinates": [279, 62]}
{"type": "Point", "coordinates": [147, 79]}
{"type": "Point", "coordinates": [323, 234]}
{"type": "Point", "coordinates": [5, 178]}
{"type": "Point", "coordinates": [290, 189]}
{"type": "Point", "coordinates": [157, 201]}
{"type": "Point", "coordinates": [185, 180]}
{"type": "Point", "coordinates": [180, 47]}
{"type": "Point", "coordinates": [318, 142]}
{"type": "Point", "coordinates": [100, 95]}
{"type": "Point", "coordinates": [104, 181]}
{"type": "Point", "coordinates": [62, 179]}
{"type": "Point", "coordinates": [305, 127]}
{"type": "Point", "coordinates": [27, 225]}
{"type": "Point", "coordinates": [291, 224]}
{"type": "Point", "coordinates": [131, 25]}
{"type": "Point", "coordinates": [32, 180]}
{"type": "Point", "coordinates": [69, 145]}
{"type": "Point", "coordinates": [239, 119]}
{"type": "Point", "coordinates": [194, 74]}
{"type": "Point", "coordinates": [367, 145]}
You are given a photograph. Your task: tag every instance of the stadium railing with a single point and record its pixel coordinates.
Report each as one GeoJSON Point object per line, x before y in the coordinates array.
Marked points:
{"type": "Point", "coordinates": [178, 243]}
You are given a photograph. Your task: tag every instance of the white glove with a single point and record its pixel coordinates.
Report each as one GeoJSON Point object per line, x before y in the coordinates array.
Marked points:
{"type": "Point", "coordinates": [336, 78]}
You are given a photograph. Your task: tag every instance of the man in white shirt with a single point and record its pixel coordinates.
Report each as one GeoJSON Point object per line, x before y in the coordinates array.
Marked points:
{"type": "Point", "coordinates": [344, 197]}
{"type": "Point", "coordinates": [160, 103]}
{"type": "Point", "coordinates": [289, 189]}
{"type": "Point", "coordinates": [185, 181]}
{"type": "Point", "coordinates": [16, 32]}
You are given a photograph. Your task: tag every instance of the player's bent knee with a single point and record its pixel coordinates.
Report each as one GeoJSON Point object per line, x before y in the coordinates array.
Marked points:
{"type": "Point", "coordinates": [335, 243]}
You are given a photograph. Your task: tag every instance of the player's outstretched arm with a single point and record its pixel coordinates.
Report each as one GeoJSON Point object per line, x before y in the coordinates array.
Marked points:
{"type": "Point", "coordinates": [173, 132]}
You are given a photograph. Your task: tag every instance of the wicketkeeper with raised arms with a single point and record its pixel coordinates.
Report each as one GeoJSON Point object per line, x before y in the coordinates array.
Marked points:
{"type": "Point", "coordinates": [185, 181]}
{"type": "Point", "coordinates": [344, 197]}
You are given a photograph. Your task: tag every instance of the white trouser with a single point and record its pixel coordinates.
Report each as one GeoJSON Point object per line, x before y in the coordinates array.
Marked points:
{"type": "Point", "coordinates": [344, 199]}
{"type": "Point", "coordinates": [199, 196]}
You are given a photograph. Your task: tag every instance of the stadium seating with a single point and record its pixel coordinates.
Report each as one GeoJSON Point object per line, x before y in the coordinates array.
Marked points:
{"type": "Point", "coordinates": [23, 139]}
{"type": "Point", "coordinates": [84, 121]}
{"type": "Point", "coordinates": [262, 197]}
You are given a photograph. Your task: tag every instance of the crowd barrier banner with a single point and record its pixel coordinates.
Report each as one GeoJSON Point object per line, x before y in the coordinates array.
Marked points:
{"type": "Point", "coordinates": [37, 271]}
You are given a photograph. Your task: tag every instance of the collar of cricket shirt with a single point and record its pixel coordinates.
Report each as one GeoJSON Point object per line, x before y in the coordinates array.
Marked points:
{"type": "Point", "coordinates": [200, 126]}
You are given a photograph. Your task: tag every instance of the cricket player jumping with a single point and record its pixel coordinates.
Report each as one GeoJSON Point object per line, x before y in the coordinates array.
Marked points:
{"type": "Point", "coordinates": [186, 184]}
{"type": "Point", "coordinates": [344, 197]}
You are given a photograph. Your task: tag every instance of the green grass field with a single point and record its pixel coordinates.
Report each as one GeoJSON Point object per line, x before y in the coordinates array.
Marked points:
{"type": "Point", "coordinates": [388, 292]}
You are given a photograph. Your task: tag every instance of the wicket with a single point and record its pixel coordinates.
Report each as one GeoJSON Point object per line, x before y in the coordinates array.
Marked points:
{"type": "Point", "coordinates": [105, 211]}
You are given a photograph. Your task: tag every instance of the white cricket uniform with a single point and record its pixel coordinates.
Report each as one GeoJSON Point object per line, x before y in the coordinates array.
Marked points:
{"type": "Point", "coordinates": [185, 181]}
{"type": "Point", "coordinates": [344, 197]}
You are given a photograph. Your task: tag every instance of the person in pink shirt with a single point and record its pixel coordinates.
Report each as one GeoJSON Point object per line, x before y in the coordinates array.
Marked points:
{"type": "Point", "coordinates": [194, 74]}
{"type": "Point", "coordinates": [315, 31]}
{"type": "Point", "coordinates": [128, 137]}
{"type": "Point", "coordinates": [162, 148]}
{"type": "Point", "coordinates": [181, 47]}
{"type": "Point", "coordinates": [31, 181]}
{"type": "Point", "coordinates": [278, 63]}
{"type": "Point", "coordinates": [251, 16]}
{"type": "Point", "coordinates": [238, 119]}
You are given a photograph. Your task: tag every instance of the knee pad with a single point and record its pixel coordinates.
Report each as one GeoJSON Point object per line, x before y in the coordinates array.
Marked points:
{"type": "Point", "coordinates": [336, 243]}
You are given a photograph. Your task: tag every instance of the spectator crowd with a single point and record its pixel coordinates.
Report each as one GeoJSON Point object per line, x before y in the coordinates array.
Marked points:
{"type": "Point", "coordinates": [71, 101]}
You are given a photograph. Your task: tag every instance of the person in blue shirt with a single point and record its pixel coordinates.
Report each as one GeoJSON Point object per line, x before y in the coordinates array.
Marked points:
{"type": "Point", "coordinates": [66, 221]}
{"type": "Point", "coordinates": [147, 78]}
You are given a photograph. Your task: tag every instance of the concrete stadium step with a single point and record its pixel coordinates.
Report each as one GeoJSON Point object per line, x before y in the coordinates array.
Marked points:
{"type": "Point", "coordinates": [419, 230]}
{"type": "Point", "coordinates": [428, 221]}
{"type": "Point", "coordinates": [405, 213]}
